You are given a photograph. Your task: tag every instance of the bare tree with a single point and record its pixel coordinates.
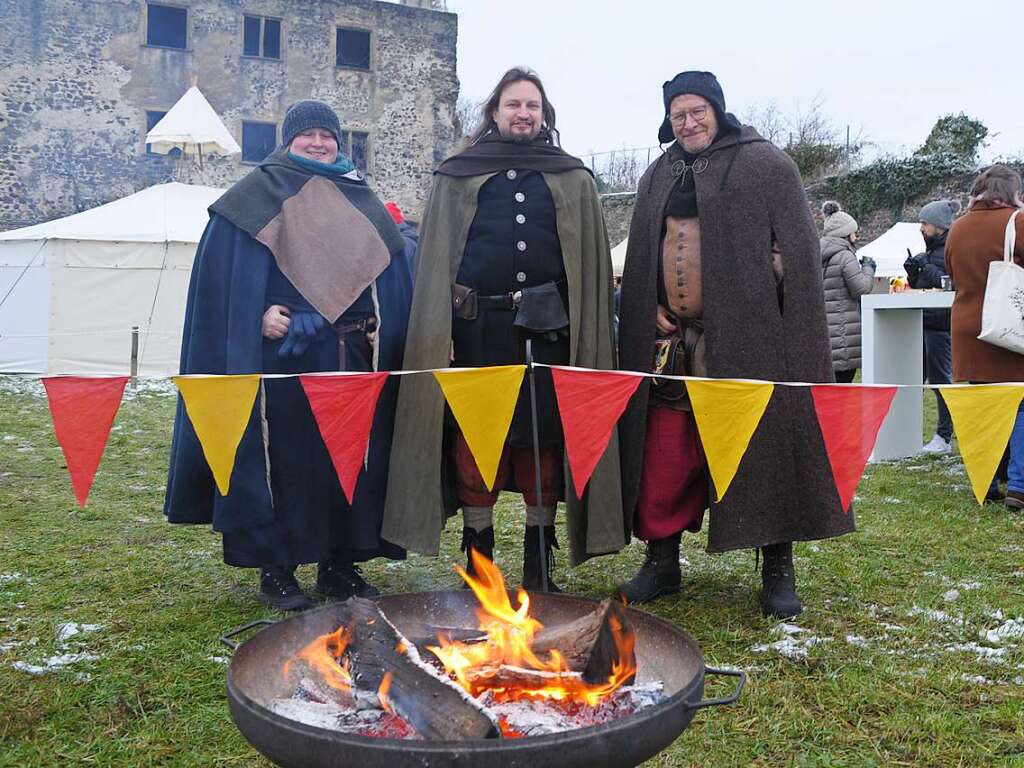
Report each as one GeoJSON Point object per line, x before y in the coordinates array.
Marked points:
{"type": "Point", "coordinates": [769, 122]}
{"type": "Point", "coordinates": [467, 115]}
{"type": "Point", "coordinates": [619, 170]}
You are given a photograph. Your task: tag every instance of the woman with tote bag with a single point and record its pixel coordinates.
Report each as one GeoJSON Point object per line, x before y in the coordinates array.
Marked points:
{"type": "Point", "coordinates": [975, 241]}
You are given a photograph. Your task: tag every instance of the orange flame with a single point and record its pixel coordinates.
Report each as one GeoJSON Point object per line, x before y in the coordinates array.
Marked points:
{"type": "Point", "coordinates": [510, 632]}
{"type": "Point", "coordinates": [382, 693]}
{"type": "Point", "coordinates": [323, 656]}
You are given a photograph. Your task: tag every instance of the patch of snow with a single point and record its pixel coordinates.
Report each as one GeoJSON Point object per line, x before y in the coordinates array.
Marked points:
{"type": "Point", "coordinates": [789, 629]}
{"type": "Point", "coordinates": [951, 596]}
{"type": "Point", "coordinates": [892, 500]}
{"type": "Point", "coordinates": [1010, 630]}
{"type": "Point", "coordinates": [976, 679]}
{"type": "Point", "coordinates": [892, 627]}
{"type": "Point", "coordinates": [791, 647]}
{"type": "Point", "coordinates": [7, 578]}
{"type": "Point", "coordinates": [66, 631]}
{"type": "Point", "coordinates": [983, 652]}
{"type": "Point", "coordinates": [939, 616]}
{"type": "Point", "coordinates": [54, 663]}
{"type": "Point", "coordinates": [219, 660]}
{"type": "Point", "coordinates": [857, 640]}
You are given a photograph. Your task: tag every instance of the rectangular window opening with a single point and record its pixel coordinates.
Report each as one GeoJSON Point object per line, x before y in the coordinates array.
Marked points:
{"type": "Point", "coordinates": [258, 140]}
{"type": "Point", "coordinates": [353, 48]}
{"type": "Point", "coordinates": [261, 37]}
{"type": "Point", "coordinates": [355, 145]}
{"type": "Point", "coordinates": [167, 26]}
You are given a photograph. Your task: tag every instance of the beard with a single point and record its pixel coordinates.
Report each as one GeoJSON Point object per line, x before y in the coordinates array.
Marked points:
{"type": "Point", "coordinates": [520, 138]}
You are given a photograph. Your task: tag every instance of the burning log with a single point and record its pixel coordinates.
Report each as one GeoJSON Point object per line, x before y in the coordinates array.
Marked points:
{"type": "Point", "coordinates": [509, 676]}
{"type": "Point", "coordinates": [588, 643]}
{"type": "Point", "coordinates": [435, 707]}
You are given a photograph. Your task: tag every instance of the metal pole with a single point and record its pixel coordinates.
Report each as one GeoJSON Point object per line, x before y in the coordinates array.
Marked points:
{"type": "Point", "coordinates": [541, 533]}
{"type": "Point", "coordinates": [134, 367]}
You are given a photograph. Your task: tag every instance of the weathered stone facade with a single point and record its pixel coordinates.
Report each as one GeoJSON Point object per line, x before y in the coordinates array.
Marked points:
{"type": "Point", "coordinates": [77, 77]}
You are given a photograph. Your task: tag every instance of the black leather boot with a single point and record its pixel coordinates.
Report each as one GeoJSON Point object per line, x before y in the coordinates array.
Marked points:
{"type": "Point", "coordinates": [341, 580]}
{"type": "Point", "coordinates": [532, 571]}
{"type": "Point", "coordinates": [482, 542]}
{"type": "Point", "coordinates": [280, 590]}
{"type": "Point", "coordinates": [778, 579]}
{"type": "Point", "coordinates": [659, 575]}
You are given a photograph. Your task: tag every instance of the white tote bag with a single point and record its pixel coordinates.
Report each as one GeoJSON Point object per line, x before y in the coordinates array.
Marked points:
{"type": "Point", "coordinates": [1002, 314]}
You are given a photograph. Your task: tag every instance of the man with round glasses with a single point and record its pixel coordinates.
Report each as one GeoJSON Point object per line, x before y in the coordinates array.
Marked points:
{"type": "Point", "coordinates": [723, 279]}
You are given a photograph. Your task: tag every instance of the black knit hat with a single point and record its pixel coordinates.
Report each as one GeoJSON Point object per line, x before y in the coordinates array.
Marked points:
{"type": "Point", "coordinates": [306, 114]}
{"type": "Point", "coordinates": [702, 84]}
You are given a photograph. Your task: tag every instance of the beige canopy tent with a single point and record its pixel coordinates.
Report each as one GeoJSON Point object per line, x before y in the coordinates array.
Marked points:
{"type": "Point", "coordinates": [72, 289]}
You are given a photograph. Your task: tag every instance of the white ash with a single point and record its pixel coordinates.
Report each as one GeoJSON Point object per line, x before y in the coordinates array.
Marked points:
{"type": "Point", "coordinates": [330, 716]}
{"type": "Point", "coordinates": [536, 718]}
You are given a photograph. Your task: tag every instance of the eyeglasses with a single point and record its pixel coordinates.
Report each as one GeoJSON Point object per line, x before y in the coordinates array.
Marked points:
{"type": "Point", "coordinates": [699, 114]}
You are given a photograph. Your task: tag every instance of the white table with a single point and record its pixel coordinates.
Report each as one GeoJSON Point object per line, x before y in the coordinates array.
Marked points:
{"type": "Point", "coordinates": [892, 341]}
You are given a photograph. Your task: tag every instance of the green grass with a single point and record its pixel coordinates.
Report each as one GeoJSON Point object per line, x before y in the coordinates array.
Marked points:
{"type": "Point", "coordinates": [885, 685]}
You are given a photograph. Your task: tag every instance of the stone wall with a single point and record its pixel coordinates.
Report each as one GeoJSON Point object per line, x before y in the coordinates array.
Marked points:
{"type": "Point", "coordinates": [76, 79]}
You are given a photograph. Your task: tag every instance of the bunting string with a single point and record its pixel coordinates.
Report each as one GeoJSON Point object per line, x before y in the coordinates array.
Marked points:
{"type": "Point", "coordinates": [727, 411]}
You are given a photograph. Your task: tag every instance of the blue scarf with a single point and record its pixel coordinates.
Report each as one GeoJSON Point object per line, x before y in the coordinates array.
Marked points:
{"type": "Point", "coordinates": [339, 167]}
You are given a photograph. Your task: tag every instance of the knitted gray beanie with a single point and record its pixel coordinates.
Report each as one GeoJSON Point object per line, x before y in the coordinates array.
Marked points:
{"type": "Point", "coordinates": [838, 223]}
{"type": "Point", "coordinates": [939, 213]}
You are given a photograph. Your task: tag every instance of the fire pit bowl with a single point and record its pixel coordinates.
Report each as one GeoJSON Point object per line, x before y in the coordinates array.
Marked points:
{"type": "Point", "coordinates": [663, 653]}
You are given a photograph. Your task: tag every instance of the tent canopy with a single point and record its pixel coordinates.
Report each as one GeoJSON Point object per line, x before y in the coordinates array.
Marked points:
{"type": "Point", "coordinates": [191, 122]}
{"type": "Point", "coordinates": [76, 287]}
{"type": "Point", "coordinates": [619, 257]}
{"type": "Point", "coordinates": [889, 250]}
{"type": "Point", "coordinates": [165, 213]}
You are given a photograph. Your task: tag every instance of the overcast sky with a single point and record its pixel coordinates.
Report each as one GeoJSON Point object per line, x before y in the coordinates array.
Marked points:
{"type": "Point", "coordinates": [886, 68]}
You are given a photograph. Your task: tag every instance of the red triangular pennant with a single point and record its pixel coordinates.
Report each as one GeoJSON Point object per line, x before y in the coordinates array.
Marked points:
{"type": "Point", "coordinates": [343, 407]}
{"type": "Point", "coordinates": [590, 402]}
{"type": "Point", "coordinates": [83, 410]}
{"type": "Point", "coordinates": [850, 417]}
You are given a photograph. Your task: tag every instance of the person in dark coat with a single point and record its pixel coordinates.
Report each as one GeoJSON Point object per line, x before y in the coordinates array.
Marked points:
{"type": "Point", "coordinates": [926, 270]}
{"type": "Point", "coordinates": [513, 249]}
{"type": "Point", "coordinates": [723, 256]}
{"type": "Point", "coordinates": [266, 296]}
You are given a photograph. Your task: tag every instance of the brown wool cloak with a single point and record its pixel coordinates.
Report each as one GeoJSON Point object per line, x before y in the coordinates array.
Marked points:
{"type": "Point", "coordinates": [749, 192]}
{"type": "Point", "coordinates": [419, 495]}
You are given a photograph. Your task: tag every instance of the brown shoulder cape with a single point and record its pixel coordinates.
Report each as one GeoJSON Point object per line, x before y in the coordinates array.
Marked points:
{"type": "Point", "coordinates": [418, 500]}
{"type": "Point", "coordinates": [749, 192]}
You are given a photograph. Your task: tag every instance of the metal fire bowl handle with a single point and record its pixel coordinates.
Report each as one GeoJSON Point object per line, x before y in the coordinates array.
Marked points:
{"type": "Point", "coordinates": [726, 699]}
{"type": "Point", "coordinates": [226, 638]}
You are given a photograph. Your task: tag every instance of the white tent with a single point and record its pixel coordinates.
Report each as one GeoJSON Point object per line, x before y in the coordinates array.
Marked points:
{"type": "Point", "coordinates": [889, 250]}
{"type": "Point", "coordinates": [72, 289]}
{"type": "Point", "coordinates": [619, 257]}
{"type": "Point", "coordinates": [191, 122]}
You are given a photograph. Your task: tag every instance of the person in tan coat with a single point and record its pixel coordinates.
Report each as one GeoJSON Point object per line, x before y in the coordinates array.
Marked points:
{"type": "Point", "coordinates": [974, 242]}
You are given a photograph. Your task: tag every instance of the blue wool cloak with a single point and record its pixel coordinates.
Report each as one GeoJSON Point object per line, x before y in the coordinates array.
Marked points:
{"type": "Point", "coordinates": [295, 511]}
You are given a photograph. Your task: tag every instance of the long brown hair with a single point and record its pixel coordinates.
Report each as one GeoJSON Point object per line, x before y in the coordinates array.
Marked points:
{"type": "Point", "coordinates": [998, 184]}
{"type": "Point", "coordinates": [514, 75]}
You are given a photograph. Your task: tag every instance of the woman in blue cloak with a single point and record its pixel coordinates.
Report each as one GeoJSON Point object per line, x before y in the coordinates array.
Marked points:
{"type": "Point", "coordinates": [300, 269]}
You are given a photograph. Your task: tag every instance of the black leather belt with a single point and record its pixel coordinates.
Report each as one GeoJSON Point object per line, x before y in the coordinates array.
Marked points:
{"type": "Point", "coordinates": [368, 324]}
{"type": "Point", "coordinates": [506, 301]}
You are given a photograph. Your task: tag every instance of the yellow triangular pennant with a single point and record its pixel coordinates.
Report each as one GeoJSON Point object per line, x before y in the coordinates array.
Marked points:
{"type": "Point", "coordinates": [983, 418]}
{"type": "Point", "coordinates": [219, 408]}
{"type": "Point", "coordinates": [727, 413]}
{"type": "Point", "coordinates": [483, 401]}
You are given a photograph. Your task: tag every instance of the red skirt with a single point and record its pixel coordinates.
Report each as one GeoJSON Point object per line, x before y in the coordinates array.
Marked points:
{"type": "Point", "coordinates": [674, 480]}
